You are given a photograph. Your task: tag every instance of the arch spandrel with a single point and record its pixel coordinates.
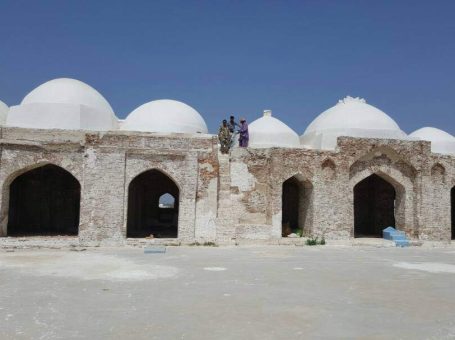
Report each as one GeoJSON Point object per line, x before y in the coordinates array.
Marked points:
{"type": "Point", "coordinates": [23, 168]}
{"type": "Point", "coordinates": [393, 176]}
{"type": "Point", "coordinates": [302, 176]}
{"type": "Point", "coordinates": [132, 176]}
{"type": "Point", "coordinates": [382, 158]}
{"type": "Point", "coordinates": [377, 151]}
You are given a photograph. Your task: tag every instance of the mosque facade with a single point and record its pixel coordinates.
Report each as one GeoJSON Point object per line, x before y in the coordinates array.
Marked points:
{"type": "Point", "coordinates": [72, 173]}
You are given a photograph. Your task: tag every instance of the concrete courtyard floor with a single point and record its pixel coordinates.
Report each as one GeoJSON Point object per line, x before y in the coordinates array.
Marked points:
{"type": "Point", "coordinates": [228, 293]}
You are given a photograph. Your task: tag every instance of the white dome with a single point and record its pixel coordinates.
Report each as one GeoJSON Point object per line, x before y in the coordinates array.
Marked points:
{"type": "Point", "coordinates": [351, 117]}
{"type": "Point", "coordinates": [441, 141]}
{"type": "Point", "coordinates": [166, 116]}
{"type": "Point", "coordinates": [3, 112]}
{"type": "Point", "coordinates": [64, 104]}
{"type": "Point", "coordinates": [267, 132]}
{"type": "Point", "coordinates": [68, 91]}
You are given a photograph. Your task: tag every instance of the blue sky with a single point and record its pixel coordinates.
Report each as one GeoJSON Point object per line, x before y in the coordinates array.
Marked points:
{"type": "Point", "coordinates": [221, 57]}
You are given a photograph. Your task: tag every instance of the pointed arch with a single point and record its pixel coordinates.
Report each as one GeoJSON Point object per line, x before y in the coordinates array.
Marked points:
{"type": "Point", "coordinates": [403, 205]}
{"type": "Point", "coordinates": [296, 206]}
{"type": "Point", "coordinates": [328, 163]}
{"type": "Point", "coordinates": [41, 199]}
{"type": "Point", "coordinates": [144, 216]}
{"type": "Point", "coordinates": [166, 201]}
{"type": "Point", "coordinates": [328, 168]}
{"type": "Point", "coordinates": [438, 173]}
{"type": "Point", "coordinates": [374, 206]}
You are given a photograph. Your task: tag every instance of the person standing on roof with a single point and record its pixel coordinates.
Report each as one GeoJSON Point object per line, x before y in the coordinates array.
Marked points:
{"type": "Point", "coordinates": [224, 135]}
{"type": "Point", "coordinates": [233, 125]}
{"type": "Point", "coordinates": [244, 135]}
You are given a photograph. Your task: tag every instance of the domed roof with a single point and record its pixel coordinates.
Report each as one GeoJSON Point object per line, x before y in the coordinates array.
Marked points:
{"type": "Point", "coordinates": [351, 117]}
{"type": "Point", "coordinates": [63, 104]}
{"type": "Point", "coordinates": [68, 91]}
{"type": "Point", "coordinates": [166, 116]}
{"type": "Point", "coordinates": [268, 131]}
{"type": "Point", "coordinates": [3, 112]}
{"type": "Point", "coordinates": [441, 141]}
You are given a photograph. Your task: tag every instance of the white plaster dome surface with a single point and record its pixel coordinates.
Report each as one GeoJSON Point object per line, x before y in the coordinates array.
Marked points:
{"type": "Point", "coordinates": [3, 112]}
{"type": "Point", "coordinates": [268, 131]}
{"type": "Point", "coordinates": [68, 91]}
{"type": "Point", "coordinates": [351, 117]}
{"type": "Point", "coordinates": [441, 141]}
{"type": "Point", "coordinates": [64, 103]}
{"type": "Point", "coordinates": [165, 116]}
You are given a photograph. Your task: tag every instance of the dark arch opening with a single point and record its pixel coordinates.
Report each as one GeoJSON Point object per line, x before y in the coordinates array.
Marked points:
{"type": "Point", "coordinates": [44, 201]}
{"type": "Point", "coordinates": [296, 207]}
{"type": "Point", "coordinates": [374, 206]}
{"type": "Point", "coordinates": [150, 211]}
{"type": "Point", "coordinates": [452, 201]}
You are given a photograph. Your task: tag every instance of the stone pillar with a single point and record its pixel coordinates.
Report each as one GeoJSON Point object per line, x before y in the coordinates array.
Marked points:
{"type": "Point", "coordinates": [102, 197]}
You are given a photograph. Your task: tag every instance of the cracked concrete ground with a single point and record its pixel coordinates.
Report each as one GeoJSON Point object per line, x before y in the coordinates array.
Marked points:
{"type": "Point", "coordinates": [228, 293]}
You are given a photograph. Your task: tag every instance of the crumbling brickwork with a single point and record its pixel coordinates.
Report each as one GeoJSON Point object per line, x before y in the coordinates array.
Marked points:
{"type": "Point", "coordinates": [422, 182]}
{"type": "Point", "coordinates": [226, 198]}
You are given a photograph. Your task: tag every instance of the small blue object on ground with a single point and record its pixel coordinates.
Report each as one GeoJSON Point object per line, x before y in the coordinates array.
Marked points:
{"type": "Point", "coordinates": [399, 237]}
{"type": "Point", "coordinates": [155, 250]}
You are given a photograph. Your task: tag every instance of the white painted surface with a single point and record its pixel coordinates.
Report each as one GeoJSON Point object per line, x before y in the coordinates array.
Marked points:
{"type": "Point", "coordinates": [68, 91]}
{"type": "Point", "coordinates": [3, 112]}
{"type": "Point", "coordinates": [431, 267]}
{"type": "Point", "coordinates": [215, 269]}
{"type": "Point", "coordinates": [441, 141]}
{"type": "Point", "coordinates": [351, 117]}
{"type": "Point", "coordinates": [165, 115]}
{"type": "Point", "coordinates": [86, 266]}
{"type": "Point", "coordinates": [63, 104]}
{"type": "Point", "coordinates": [241, 177]}
{"type": "Point", "coordinates": [268, 131]}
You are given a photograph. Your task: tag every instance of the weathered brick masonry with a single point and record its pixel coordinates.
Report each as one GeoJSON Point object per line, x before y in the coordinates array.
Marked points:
{"type": "Point", "coordinates": [236, 197]}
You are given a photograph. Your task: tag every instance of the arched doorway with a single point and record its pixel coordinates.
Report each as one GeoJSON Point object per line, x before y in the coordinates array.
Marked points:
{"type": "Point", "coordinates": [296, 206]}
{"type": "Point", "coordinates": [374, 206]}
{"type": "Point", "coordinates": [452, 201]}
{"type": "Point", "coordinates": [44, 201]}
{"type": "Point", "coordinates": [153, 206]}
